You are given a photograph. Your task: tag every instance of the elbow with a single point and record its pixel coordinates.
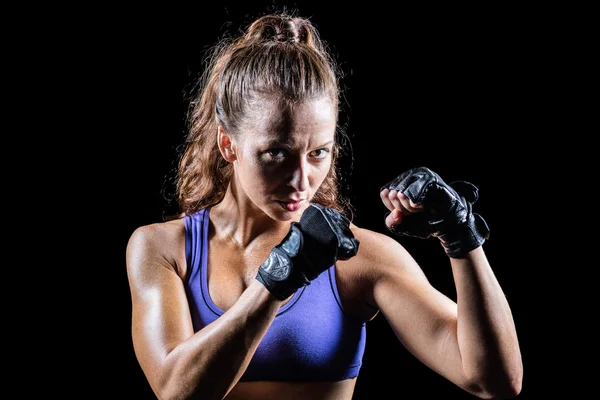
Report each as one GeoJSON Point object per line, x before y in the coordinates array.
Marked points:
{"type": "Point", "coordinates": [176, 388]}
{"type": "Point", "coordinates": [168, 388]}
{"type": "Point", "coordinates": [500, 379]}
{"type": "Point", "coordinates": [172, 393]}
{"type": "Point", "coordinates": [514, 386]}
{"type": "Point", "coordinates": [506, 386]}
{"type": "Point", "coordinates": [178, 392]}
{"type": "Point", "coordinates": [166, 391]}
{"type": "Point", "coordinates": [505, 392]}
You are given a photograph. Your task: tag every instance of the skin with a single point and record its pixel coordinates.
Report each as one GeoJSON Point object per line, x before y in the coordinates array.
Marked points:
{"type": "Point", "coordinates": [283, 154]}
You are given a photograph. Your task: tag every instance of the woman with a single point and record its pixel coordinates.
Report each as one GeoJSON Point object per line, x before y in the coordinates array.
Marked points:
{"type": "Point", "coordinates": [261, 288]}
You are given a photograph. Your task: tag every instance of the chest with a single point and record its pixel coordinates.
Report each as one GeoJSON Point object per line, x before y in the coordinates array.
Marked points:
{"type": "Point", "coordinates": [310, 339]}
{"type": "Point", "coordinates": [230, 270]}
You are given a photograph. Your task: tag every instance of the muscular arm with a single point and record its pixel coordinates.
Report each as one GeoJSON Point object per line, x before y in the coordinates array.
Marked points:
{"type": "Point", "coordinates": [486, 334]}
{"type": "Point", "coordinates": [472, 342]}
{"type": "Point", "coordinates": [177, 362]}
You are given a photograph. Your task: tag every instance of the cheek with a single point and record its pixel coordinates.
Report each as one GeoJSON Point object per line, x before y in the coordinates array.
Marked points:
{"type": "Point", "coordinates": [268, 177]}
{"type": "Point", "coordinates": [262, 178]}
{"type": "Point", "coordinates": [321, 173]}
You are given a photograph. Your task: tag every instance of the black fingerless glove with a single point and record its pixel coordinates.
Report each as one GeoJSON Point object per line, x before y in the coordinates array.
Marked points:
{"type": "Point", "coordinates": [447, 211]}
{"type": "Point", "coordinates": [311, 246]}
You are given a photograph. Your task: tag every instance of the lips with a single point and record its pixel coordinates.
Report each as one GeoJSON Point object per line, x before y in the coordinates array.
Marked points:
{"type": "Point", "coordinates": [292, 205]}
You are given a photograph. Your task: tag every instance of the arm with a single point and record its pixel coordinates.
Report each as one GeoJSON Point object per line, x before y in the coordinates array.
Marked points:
{"type": "Point", "coordinates": [177, 362]}
{"type": "Point", "coordinates": [486, 332]}
{"type": "Point", "coordinates": [472, 342]}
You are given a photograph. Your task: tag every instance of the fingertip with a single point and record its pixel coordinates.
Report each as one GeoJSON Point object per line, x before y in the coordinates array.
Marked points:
{"type": "Point", "coordinates": [393, 218]}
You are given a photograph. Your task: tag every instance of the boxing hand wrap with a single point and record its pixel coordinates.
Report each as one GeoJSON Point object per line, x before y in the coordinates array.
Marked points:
{"type": "Point", "coordinates": [447, 211]}
{"type": "Point", "coordinates": [315, 243]}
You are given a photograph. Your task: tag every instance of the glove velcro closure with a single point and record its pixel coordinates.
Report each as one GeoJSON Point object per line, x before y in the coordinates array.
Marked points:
{"type": "Point", "coordinates": [281, 273]}
{"type": "Point", "coordinates": [465, 237]}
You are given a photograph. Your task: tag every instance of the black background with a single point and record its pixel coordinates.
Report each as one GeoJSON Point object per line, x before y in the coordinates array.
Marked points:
{"type": "Point", "coordinates": [453, 88]}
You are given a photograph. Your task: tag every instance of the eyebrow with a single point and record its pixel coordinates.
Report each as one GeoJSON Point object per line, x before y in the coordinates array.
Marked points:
{"type": "Point", "coordinates": [277, 143]}
{"type": "Point", "coordinates": [326, 144]}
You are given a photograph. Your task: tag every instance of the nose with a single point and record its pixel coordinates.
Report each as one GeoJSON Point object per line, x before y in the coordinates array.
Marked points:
{"type": "Point", "coordinates": [299, 175]}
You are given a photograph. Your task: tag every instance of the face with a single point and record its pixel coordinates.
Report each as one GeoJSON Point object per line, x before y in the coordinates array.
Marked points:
{"type": "Point", "coordinates": [282, 156]}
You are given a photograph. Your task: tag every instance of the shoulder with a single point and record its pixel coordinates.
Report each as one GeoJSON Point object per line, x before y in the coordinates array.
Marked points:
{"type": "Point", "coordinates": [157, 244]}
{"type": "Point", "coordinates": [156, 235]}
{"type": "Point", "coordinates": [381, 257]}
{"type": "Point", "coordinates": [372, 239]}
{"type": "Point", "coordinates": [380, 260]}
{"type": "Point", "coordinates": [380, 250]}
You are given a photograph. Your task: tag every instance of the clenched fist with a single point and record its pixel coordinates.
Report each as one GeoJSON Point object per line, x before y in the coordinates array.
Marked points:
{"type": "Point", "coordinates": [422, 205]}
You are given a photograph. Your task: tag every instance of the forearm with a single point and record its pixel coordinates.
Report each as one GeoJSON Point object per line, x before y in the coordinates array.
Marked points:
{"type": "Point", "coordinates": [212, 361]}
{"type": "Point", "coordinates": [486, 331]}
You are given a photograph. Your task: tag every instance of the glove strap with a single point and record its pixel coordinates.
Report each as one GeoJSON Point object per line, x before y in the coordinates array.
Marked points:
{"type": "Point", "coordinates": [465, 237]}
{"type": "Point", "coordinates": [278, 273]}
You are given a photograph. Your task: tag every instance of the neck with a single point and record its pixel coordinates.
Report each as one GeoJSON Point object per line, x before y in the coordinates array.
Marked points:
{"type": "Point", "coordinates": [241, 221]}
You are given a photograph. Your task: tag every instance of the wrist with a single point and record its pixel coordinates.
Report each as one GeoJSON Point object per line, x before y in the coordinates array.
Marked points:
{"type": "Point", "coordinates": [278, 273]}
{"type": "Point", "coordinates": [278, 276]}
{"type": "Point", "coordinates": [261, 293]}
{"type": "Point", "coordinates": [465, 237]}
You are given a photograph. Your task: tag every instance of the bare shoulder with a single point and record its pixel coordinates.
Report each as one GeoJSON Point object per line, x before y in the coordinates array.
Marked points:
{"type": "Point", "coordinates": [158, 244]}
{"type": "Point", "coordinates": [381, 257]}
{"type": "Point", "coordinates": [380, 253]}
{"type": "Point", "coordinates": [157, 233]}
{"type": "Point", "coordinates": [374, 243]}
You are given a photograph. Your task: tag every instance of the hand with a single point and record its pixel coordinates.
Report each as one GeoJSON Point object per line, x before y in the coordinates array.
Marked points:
{"type": "Point", "coordinates": [422, 205]}
{"type": "Point", "coordinates": [312, 245]}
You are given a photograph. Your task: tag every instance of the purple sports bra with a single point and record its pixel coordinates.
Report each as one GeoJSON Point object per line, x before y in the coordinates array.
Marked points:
{"type": "Point", "coordinates": [310, 339]}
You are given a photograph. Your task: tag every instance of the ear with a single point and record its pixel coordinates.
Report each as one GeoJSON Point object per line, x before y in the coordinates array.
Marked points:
{"type": "Point", "coordinates": [225, 145]}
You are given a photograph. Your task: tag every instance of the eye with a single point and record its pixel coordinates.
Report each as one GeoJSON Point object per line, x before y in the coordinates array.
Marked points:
{"type": "Point", "coordinates": [276, 153]}
{"type": "Point", "coordinates": [320, 153]}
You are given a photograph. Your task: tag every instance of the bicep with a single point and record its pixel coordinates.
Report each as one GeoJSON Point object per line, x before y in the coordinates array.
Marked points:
{"type": "Point", "coordinates": [160, 311]}
{"type": "Point", "coordinates": [418, 313]}
{"type": "Point", "coordinates": [422, 318]}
